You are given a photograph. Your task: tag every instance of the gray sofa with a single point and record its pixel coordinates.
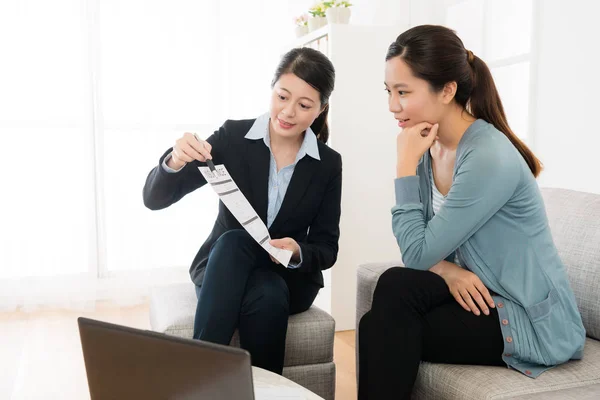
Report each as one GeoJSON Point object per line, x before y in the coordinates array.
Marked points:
{"type": "Point", "coordinates": [575, 223]}
{"type": "Point", "coordinates": [309, 343]}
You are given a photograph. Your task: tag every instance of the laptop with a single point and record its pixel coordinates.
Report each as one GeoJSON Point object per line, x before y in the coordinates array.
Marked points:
{"type": "Point", "coordinates": [128, 363]}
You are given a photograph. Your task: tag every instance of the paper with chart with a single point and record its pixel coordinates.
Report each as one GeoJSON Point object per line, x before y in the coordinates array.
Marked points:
{"type": "Point", "coordinates": [236, 202]}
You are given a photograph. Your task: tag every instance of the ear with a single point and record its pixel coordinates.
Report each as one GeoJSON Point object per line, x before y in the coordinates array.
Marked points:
{"type": "Point", "coordinates": [448, 92]}
{"type": "Point", "coordinates": [325, 107]}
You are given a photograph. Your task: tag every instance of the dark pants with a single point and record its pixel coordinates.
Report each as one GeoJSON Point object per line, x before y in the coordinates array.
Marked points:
{"type": "Point", "coordinates": [243, 289]}
{"type": "Point", "coordinates": [414, 318]}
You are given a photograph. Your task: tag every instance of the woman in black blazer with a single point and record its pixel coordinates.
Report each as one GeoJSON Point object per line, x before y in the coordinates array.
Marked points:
{"type": "Point", "coordinates": [293, 180]}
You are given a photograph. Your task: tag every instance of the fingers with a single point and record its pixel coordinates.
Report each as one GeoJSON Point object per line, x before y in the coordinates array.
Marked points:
{"type": "Point", "coordinates": [184, 151]}
{"type": "Point", "coordinates": [274, 243]}
{"type": "Point", "coordinates": [485, 293]}
{"type": "Point", "coordinates": [430, 134]}
{"type": "Point", "coordinates": [195, 147]}
{"type": "Point", "coordinates": [181, 156]}
{"type": "Point", "coordinates": [280, 243]}
{"type": "Point", "coordinates": [460, 301]}
{"type": "Point", "coordinates": [422, 126]}
{"type": "Point", "coordinates": [274, 259]}
{"type": "Point", "coordinates": [475, 295]}
{"type": "Point", "coordinates": [434, 131]}
{"type": "Point", "coordinates": [469, 291]}
{"type": "Point", "coordinates": [201, 147]}
{"type": "Point", "coordinates": [467, 298]}
{"type": "Point", "coordinates": [187, 151]}
{"type": "Point", "coordinates": [474, 300]}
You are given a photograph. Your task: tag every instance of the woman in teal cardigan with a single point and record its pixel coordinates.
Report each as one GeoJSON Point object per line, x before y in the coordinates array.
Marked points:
{"type": "Point", "coordinates": [483, 282]}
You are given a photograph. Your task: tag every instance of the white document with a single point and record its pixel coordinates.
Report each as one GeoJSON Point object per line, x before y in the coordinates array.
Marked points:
{"type": "Point", "coordinates": [236, 202]}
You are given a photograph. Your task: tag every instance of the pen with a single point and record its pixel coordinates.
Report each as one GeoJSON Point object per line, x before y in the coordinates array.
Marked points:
{"type": "Point", "coordinates": [210, 164]}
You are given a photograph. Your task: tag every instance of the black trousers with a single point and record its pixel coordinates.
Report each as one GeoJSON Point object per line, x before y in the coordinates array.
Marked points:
{"type": "Point", "coordinates": [243, 289]}
{"type": "Point", "coordinates": [414, 318]}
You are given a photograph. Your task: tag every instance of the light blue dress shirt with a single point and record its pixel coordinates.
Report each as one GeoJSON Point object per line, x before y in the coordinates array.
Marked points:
{"type": "Point", "coordinates": [278, 180]}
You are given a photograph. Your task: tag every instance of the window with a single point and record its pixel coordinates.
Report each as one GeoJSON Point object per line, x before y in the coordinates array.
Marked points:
{"type": "Point", "coordinates": [500, 33]}
{"type": "Point", "coordinates": [93, 92]}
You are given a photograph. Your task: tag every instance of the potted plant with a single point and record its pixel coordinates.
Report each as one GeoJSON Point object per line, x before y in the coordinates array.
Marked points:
{"type": "Point", "coordinates": [318, 16]}
{"type": "Point", "coordinates": [338, 11]}
{"type": "Point", "coordinates": [301, 23]}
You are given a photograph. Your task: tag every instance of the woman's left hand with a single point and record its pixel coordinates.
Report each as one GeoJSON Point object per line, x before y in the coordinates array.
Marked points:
{"type": "Point", "coordinates": [412, 143]}
{"type": "Point", "coordinates": [287, 244]}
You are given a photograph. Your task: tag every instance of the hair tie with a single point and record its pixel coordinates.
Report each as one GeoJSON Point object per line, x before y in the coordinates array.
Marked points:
{"type": "Point", "coordinates": [470, 56]}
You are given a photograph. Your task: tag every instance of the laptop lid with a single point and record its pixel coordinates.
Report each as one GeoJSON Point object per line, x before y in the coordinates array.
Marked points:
{"type": "Point", "coordinates": [128, 363]}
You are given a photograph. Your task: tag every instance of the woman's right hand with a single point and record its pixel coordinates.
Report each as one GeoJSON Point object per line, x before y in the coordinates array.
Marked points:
{"type": "Point", "coordinates": [187, 149]}
{"type": "Point", "coordinates": [466, 287]}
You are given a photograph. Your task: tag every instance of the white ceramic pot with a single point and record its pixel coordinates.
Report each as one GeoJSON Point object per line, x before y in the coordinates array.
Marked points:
{"type": "Point", "coordinates": [301, 30]}
{"type": "Point", "coordinates": [315, 23]}
{"type": "Point", "coordinates": [338, 15]}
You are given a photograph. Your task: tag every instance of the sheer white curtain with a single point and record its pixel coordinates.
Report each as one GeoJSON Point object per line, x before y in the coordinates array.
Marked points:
{"type": "Point", "coordinates": [92, 93]}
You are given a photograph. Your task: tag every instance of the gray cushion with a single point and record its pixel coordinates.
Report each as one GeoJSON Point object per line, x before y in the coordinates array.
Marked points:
{"type": "Point", "coordinates": [466, 382]}
{"type": "Point", "coordinates": [575, 223]}
{"type": "Point", "coordinates": [590, 392]}
{"type": "Point", "coordinates": [309, 336]}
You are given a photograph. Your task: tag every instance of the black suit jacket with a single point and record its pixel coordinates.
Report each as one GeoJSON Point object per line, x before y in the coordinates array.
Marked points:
{"type": "Point", "coordinates": [310, 212]}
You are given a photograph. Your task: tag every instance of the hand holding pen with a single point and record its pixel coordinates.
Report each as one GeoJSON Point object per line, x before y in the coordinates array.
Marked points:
{"type": "Point", "coordinates": [189, 148]}
{"type": "Point", "coordinates": [209, 162]}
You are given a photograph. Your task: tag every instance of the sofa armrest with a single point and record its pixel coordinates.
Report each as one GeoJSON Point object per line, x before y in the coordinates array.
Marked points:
{"type": "Point", "coordinates": [367, 277]}
{"type": "Point", "coordinates": [366, 280]}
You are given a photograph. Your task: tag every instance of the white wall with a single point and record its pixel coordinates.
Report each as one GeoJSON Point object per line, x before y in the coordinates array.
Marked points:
{"type": "Point", "coordinates": [363, 131]}
{"type": "Point", "coordinates": [381, 12]}
{"type": "Point", "coordinates": [427, 12]}
{"type": "Point", "coordinates": [568, 88]}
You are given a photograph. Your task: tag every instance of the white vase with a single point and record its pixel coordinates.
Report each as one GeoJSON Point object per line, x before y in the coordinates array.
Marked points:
{"type": "Point", "coordinates": [338, 15]}
{"type": "Point", "coordinates": [301, 30]}
{"type": "Point", "coordinates": [315, 23]}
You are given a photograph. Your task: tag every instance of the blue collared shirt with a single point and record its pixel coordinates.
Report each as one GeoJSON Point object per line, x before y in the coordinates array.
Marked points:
{"type": "Point", "coordinates": [278, 180]}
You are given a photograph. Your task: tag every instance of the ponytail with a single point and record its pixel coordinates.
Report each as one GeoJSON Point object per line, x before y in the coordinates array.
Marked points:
{"type": "Point", "coordinates": [320, 126]}
{"type": "Point", "coordinates": [485, 103]}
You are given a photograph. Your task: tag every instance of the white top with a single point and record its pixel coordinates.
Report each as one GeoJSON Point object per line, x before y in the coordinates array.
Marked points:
{"type": "Point", "coordinates": [437, 199]}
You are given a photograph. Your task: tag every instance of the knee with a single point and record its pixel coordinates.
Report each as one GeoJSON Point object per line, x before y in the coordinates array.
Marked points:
{"type": "Point", "coordinates": [274, 300]}
{"type": "Point", "coordinates": [363, 324]}
{"type": "Point", "coordinates": [397, 282]}
{"type": "Point", "coordinates": [235, 248]}
{"type": "Point", "coordinates": [267, 296]}
{"type": "Point", "coordinates": [234, 237]}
